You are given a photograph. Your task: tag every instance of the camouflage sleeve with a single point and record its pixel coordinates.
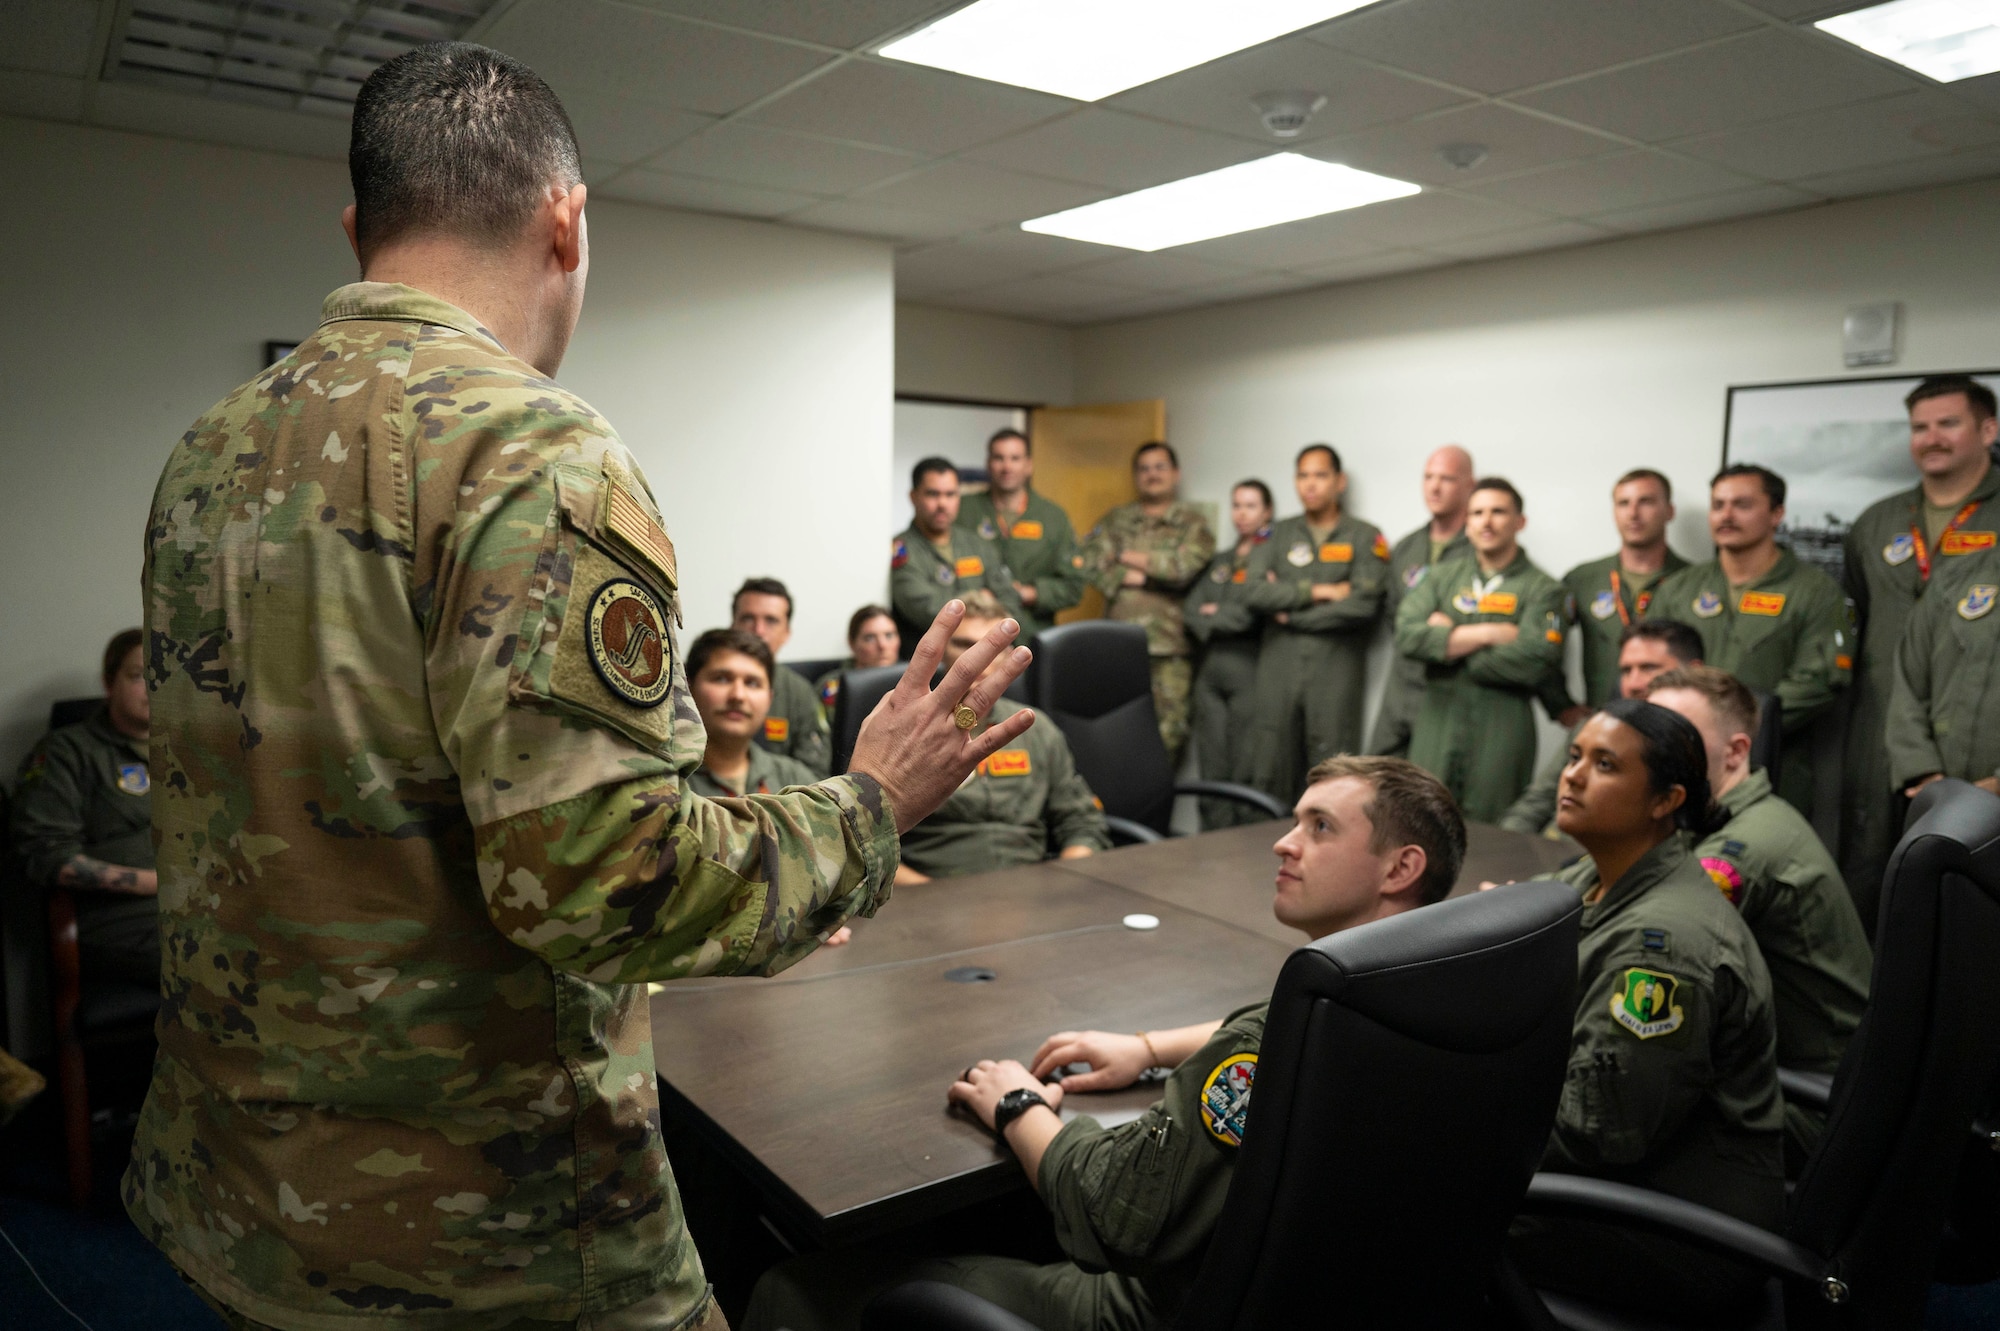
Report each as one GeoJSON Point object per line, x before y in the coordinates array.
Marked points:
{"type": "Point", "coordinates": [48, 816]}
{"type": "Point", "coordinates": [1823, 661]}
{"type": "Point", "coordinates": [1912, 741]}
{"type": "Point", "coordinates": [559, 696]}
{"type": "Point", "coordinates": [1416, 637]}
{"type": "Point", "coordinates": [916, 598]}
{"type": "Point", "coordinates": [1534, 655]}
{"type": "Point", "coordinates": [1174, 567]}
{"type": "Point", "coordinates": [1101, 568]}
{"type": "Point", "coordinates": [1062, 586]}
{"type": "Point", "coordinates": [1073, 814]}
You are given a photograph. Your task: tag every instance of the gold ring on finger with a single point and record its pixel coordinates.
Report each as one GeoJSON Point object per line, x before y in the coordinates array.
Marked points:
{"type": "Point", "coordinates": [964, 717]}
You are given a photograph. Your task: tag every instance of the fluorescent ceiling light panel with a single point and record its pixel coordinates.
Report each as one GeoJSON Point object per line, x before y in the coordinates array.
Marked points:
{"type": "Point", "coordinates": [1948, 40]}
{"type": "Point", "coordinates": [1089, 49]}
{"type": "Point", "coordinates": [1281, 188]}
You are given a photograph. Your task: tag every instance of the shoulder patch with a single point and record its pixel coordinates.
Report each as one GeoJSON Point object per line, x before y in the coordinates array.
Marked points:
{"type": "Point", "coordinates": [829, 691]}
{"type": "Point", "coordinates": [1381, 547]}
{"type": "Point", "coordinates": [633, 527]}
{"type": "Point", "coordinates": [1728, 878]}
{"type": "Point", "coordinates": [626, 635]}
{"type": "Point", "coordinates": [899, 554]}
{"type": "Point", "coordinates": [1414, 574]}
{"type": "Point", "coordinates": [1225, 1098]}
{"type": "Point", "coordinates": [1644, 1003]}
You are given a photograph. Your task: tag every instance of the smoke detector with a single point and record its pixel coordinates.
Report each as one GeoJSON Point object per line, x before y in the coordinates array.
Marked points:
{"type": "Point", "coordinates": [1286, 113]}
{"type": "Point", "coordinates": [1463, 156]}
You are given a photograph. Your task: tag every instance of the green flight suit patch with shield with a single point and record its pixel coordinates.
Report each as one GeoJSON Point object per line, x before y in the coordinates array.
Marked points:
{"type": "Point", "coordinates": [1644, 1003]}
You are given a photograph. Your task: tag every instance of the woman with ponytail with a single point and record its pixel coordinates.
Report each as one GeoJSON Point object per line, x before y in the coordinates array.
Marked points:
{"type": "Point", "coordinates": [1672, 1079]}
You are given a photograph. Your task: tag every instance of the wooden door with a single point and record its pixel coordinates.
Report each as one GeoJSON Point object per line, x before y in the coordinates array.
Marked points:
{"type": "Point", "coordinates": [1083, 462]}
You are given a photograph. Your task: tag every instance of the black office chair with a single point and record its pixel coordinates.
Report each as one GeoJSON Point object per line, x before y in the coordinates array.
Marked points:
{"type": "Point", "coordinates": [861, 690]}
{"type": "Point", "coordinates": [1373, 1190]}
{"type": "Point", "coordinates": [1092, 679]}
{"type": "Point", "coordinates": [810, 671]}
{"type": "Point", "coordinates": [1767, 744]}
{"type": "Point", "coordinates": [1865, 1223]}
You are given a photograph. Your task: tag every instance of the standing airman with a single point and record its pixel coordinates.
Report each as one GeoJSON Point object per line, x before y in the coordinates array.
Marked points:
{"type": "Point", "coordinates": [1944, 709]}
{"type": "Point", "coordinates": [934, 560]}
{"type": "Point", "coordinates": [1034, 535]}
{"type": "Point", "coordinates": [1608, 595]}
{"type": "Point", "coordinates": [1447, 485]}
{"type": "Point", "coordinates": [1219, 618]}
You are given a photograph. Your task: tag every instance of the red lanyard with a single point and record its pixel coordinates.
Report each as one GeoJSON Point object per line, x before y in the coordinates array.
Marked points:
{"type": "Point", "coordinates": [1639, 602]}
{"type": "Point", "coordinates": [1917, 535]}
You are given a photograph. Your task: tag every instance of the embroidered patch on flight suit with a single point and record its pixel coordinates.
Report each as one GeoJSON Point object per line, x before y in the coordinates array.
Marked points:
{"type": "Point", "coordinates": [1299, 555]}
{"type": "Point", "coordinates": [133, 778]}
{"type": "Point", "coordinates": [1414, 575]}
{"type": "Point", "coordinates": [632, 526]}
{"type": "Point", "coordinates": [1241, 575]}
{"type": "Point", "coordinates": [1336, 552]}
{"type": "Point", "coordinates": [1381, 547]}
{"type": "Point", "coordinates": [899, 555]}
{"type": "Point", "coordinates": [1498, 603]}
{"type": "Point", "coordinates": [1552, 626]}
{"type": "Point", "coordinates": [1644, 1003]}
{"type": "Point", "coordinates": [1708, 605]}
{"type": "Point", "coordinates": [1965, 542]}
{"type": "Point", "coordinates": [945, 575]}
{"type": "Point", "coordinates": [1843, 662]}
{"type": "Point", "coordinates": [1977, 601]}
{"type": "Point", "coordinates": [988, 530]}
{"type": "Point", "coordinates": [1008, 762]}
{"type": "Point", "coordinates": [1604, 605]}
{"type": "Point", "coordinates": [1761, 603]}
{"type": "Point", "coordinates": [1656, 940]}
{"type": "Point", "coordinates": [1728, 879]}
{"type": "Point", "coordinates": [1026, 530]}
{"type": "Point", "coordinates": [1225, 1098]}
{"type": "Point", "coordinates": [1465, 603]}
{"type": "Point", "coordinates": [1221, 574]}
{"type": "Point", "coordinates": [777, 730]}
{"type": "Point", "coordinates": [1900, 551]}
{"type": "Point", "coordinates": [970, 566]}
{"type": "Point", "coordinates": [627, 636]}
{"type": "Point", "coordinates": [829, 691]}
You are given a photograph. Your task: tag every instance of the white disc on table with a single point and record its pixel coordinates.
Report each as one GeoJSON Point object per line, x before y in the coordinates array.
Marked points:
{"type": "Point", "coordinates": [1142, 921]}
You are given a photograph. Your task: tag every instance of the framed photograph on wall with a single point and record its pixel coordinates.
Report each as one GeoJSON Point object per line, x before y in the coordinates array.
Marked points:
{"type": "Point", "coordinates": [277, 351]}
{"type": "Point", "coordinates": [1840, 444]}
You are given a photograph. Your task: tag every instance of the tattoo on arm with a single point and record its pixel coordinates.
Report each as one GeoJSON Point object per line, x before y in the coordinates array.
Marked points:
{"type": "Point", "coordinates": [83, 871]}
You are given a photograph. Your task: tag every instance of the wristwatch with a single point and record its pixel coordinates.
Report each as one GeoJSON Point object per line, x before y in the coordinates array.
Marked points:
{"type": "Point", "coordinates": [1012, 1105]}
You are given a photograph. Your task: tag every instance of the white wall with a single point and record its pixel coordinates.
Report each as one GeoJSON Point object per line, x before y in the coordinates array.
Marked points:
{"type": "Point", "coordinates": [1558, 370]}
{"type": "Point", "coordinates": [982, 357]}
{"type": "Point", "coordinates": [750, 367]}
{"type": "Point", "coordinates": [949, 430]}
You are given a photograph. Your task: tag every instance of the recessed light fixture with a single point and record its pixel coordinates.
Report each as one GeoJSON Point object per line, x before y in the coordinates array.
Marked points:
{"type": "Point", "coordinates": [1284, 187]}
{"type": "Point", "coordinates": [1948, 40]}
{"type": "Point", "coordinates": [1089, 49]}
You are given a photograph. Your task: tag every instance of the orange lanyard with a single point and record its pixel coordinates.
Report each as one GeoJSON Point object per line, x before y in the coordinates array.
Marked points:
{"type": "Point", "coordinates": [1639, 603]}
{"type": "Point", "coordinates": [1917, 536]}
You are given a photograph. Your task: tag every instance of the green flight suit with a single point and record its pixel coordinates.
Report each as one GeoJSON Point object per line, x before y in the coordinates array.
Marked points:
{"type": "Point", "coordinates": [1312, 673]}
{"type": "Point", "coordinates": [1133, 1206]}
{"type": "Point", "coordinates": [1944, 713]}
{"type": "Point", "coordinates": [1178, 545]}
{"type": "Point", "coordinates": [827, 688]}
{"type": "Point", "coordinates": [769, 773]}
{"type": "Point", "coordinates": [1770, 864]}
{"type": "Point", "coordinates": [85, 790]}
{"type": "Point", "coordinates": [1039, 549]}
{"type": "Point", "coordinates": [1884, 580]}
{"type": "Point", "coordinates": [796, 726]}
{"type": "Point", "coordinates": [1672, 1085]}
{"type": "Point", "coordinates": [1594, 609]}
{"type": "Point", "coordinates": [1476, 729]}
{"type": "Point", "coordinates": [1789, 633]}
{"type": "Point", "coordinates": [1022, 804]}
{"type": "Point", "coordinates": [1403, 691]}
{"type": "Point", "coordinates": [923, 575]}
{"type": "Point", "coordinates": [1225, 679]}
{"type": "Point", "coordinates": [1534, 813]}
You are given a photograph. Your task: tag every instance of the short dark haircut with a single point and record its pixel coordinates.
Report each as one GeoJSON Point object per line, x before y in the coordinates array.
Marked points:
{"type": "Point", "coordinates": [1680, 640]}
{"type": "Point", "coordinates": [1674, 756]}
{"type": "Point", "coordinates": [929, 467]}
{"type": "Point", "coordinates": [455, 138]}
{"type": "Point", "coordinates": [1503, 485]}
{"type": "Point", "coordinates": [1332, 455]}
{"type": "Point", "coordinates": [860, 617]}
{"type": "Point", "coordinates": [117, 650]}
{"type": "Point", "coordinates": [762, 587]}
{"type": "Point", "coordinates": [1027, 444]}
{"type": "Point", "coordinates": [1409, 807]}
{"type": "Point", "coordinates": [1733, 702]}
{"type": "Point", "coordinates": [1160, 444]}
{"type": "Point", "coordinates": [749, 644]}
{"type": "Point", "coordinates": [1263, 491]}
{"type": "Point", "coordinates": [1774, 484]}
{"type": "Point", "coordinates": [1646, 474]}
{"type": "Point", "coordinates": [1977, 395]}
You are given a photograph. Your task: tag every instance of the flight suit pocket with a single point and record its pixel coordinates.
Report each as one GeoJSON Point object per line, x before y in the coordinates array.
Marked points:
{"type": "Point", "coordinates": [1137, 1187]}
{"type": "Point", "coordinates": [1594, 1101]}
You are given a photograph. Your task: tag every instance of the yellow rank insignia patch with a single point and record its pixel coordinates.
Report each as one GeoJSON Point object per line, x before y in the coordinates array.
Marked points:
{"type": "Point", "coordinates": [1225, 1098]}
{"type": "Point", "coordinates": [1025, 530]}
{"type": "Point", "coordinates": [1498, 603]}
{"type": "Point", "coordinates": [1644, 1003]}
{"type": "Point", "coordinates": [1761, 603]}
{"type": "Point", "coordinates": [1008, 762]}
{"type": "Point", "coordinates": [1965, 542]}
{"type": "Point", "coordinates": [627, 638]}
{"type": "Point", "coordinates": [1336, 552]}
{"type": "Point", "coordinates": [1978, 601]}
{"type": "Point", "coordinates": [971, 566]}
{"type": "Point", "coordinates": [627, 520]}
{"type": "Point", "coordinates": [777, 729]}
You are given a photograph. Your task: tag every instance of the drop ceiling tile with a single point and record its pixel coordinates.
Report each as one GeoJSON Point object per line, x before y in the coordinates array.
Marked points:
{"type": "Point", "coordinates": [863, 217]}
{"type": "Point", "coordinates": [1380, 264]}
{"type": "Point", "coordinates": [1804, 9]}
{"type": "Point", "coordinates": [581, 46]}
{"type": "Point", "coordinates": [1633, 180]}
{"type": "Point", "coordinates": [1164, 270]}
{"type": "Point", "coordinates": [1522, 240]}
{"type": "Point", "coordinates": [1217, 95]}
{"type": "Point", "coordinates": [1975, 165]}
{"type": "Point", "coordinates": [843, 23]}
{"type": "Point", "coordinates": [1760, 77]}
{"type": "Point", "coordinates": [1498, 47]}
{"type": "Point", "coordinates": [1116, 150]}
{"type": "Point", "coordinates": [1715, 208]}
{"type": "Point", "coordinates": [51, 37]}
{"type": "Point", "coordinates": [1515, 142]}
{"type": "Point", "coordinates": [1046, 297]}
{"type": "Point", "coordinates": [174, 115]}
{"type": "Point", "coordinates": [705, 196]}
{"type": "Point", "coordinates": [1430, 217]}
{"type": "Point", "coordinates": [1982, 91]}
{"type": "Point", "coordinates": [772, 159]}
{"type": "Point", "coordinates": [40, 96]}
{"type": "Point", "coordinates": [1919, 123]}
{"type": "Point", "coordinates": [1257, 284]}
{"type": "Point", "coordinates": [1292, 245]}
{"type": "Point", "coordinates": [611, 128]}
{"type": "Point", "coordinates": [983, 193]}
{"type": "Point", "coordinates": [907, 107]}
{"type": "Point", "coordinates": [1004, 255]}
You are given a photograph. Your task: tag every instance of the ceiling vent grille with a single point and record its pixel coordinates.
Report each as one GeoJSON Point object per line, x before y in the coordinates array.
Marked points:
{"type": "Point", "coordinates": [301, 55]}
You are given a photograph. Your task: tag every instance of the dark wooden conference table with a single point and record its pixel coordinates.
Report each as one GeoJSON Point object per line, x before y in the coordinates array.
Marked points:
{"type": "Point", "coordinates": [825, 1085]}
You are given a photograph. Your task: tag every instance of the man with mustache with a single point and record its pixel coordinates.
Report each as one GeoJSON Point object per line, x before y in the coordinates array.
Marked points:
{"type": "Point", "coordinates": [1773, 622]}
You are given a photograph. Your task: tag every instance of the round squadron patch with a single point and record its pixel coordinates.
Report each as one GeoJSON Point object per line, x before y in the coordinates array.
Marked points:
{"type": "Point", "coordinates": [1221, 573]}
{"type": "Point", "coordinates": [1644, 1003]}
{"type": "Point", "coordinates": [1465, 603]}
{"type": "Point", "coordinates": [1708, 605]}
{"type": "Point", "coordinates": [946, 574]}
{"type": "Point", "coordinates": [627, 639]}
{"type": "Point", "coordinates": [1414, 575]}
{"type": "Point", "coordinates": [1225, 1098]}
{"type": "Point", "coordinates": [133, 778]}
{"type": "Point", "coordinates": [1604, 605]}
{"type": "Point", "coordinates": [988, 530]}
{"type": "Point", "coordinates": [1299, 555]}
{"type": "Point", "coordinates": [1978, 600]}
{"type": "Point", "coordinates": [1900, 551]}
{"type": "Point", "coordinates": [1728, 879]}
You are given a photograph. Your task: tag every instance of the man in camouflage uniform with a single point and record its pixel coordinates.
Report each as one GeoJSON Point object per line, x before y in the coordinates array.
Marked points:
{"type": "Point", "coordinates": [1608, 595]}
{"type": "Point", "coordinates": [421, 741]}
{"type": "Point", "coordinates": [1219, 618]}
{"type": "Point", "coordinates": [933, 560]}
{"type": "Point", "coordinates": [1898, 551]}
{"type": "Point", "coordinates": [795, 726]}
{"type": "Point", "coordinates": [1144, 556]}
{"type": "Point", "coordinates": [1489, 632]}
{"type": "Point", "coordinates": [1319, 584]}
{"type": "Point", "coordinates": [1034, 536]}
{"type": "Point", "coordinates": [1447, 485]}
{"type": "Point", "coordinates": [1775, 623]}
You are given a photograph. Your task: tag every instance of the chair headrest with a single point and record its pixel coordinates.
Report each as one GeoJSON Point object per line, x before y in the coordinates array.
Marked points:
{"type": "Point", "coordinates": [1089, 668]}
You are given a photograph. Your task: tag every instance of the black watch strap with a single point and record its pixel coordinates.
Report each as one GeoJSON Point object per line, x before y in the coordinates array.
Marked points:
{"type": "Point", "coordinates": [1012, 1105]}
